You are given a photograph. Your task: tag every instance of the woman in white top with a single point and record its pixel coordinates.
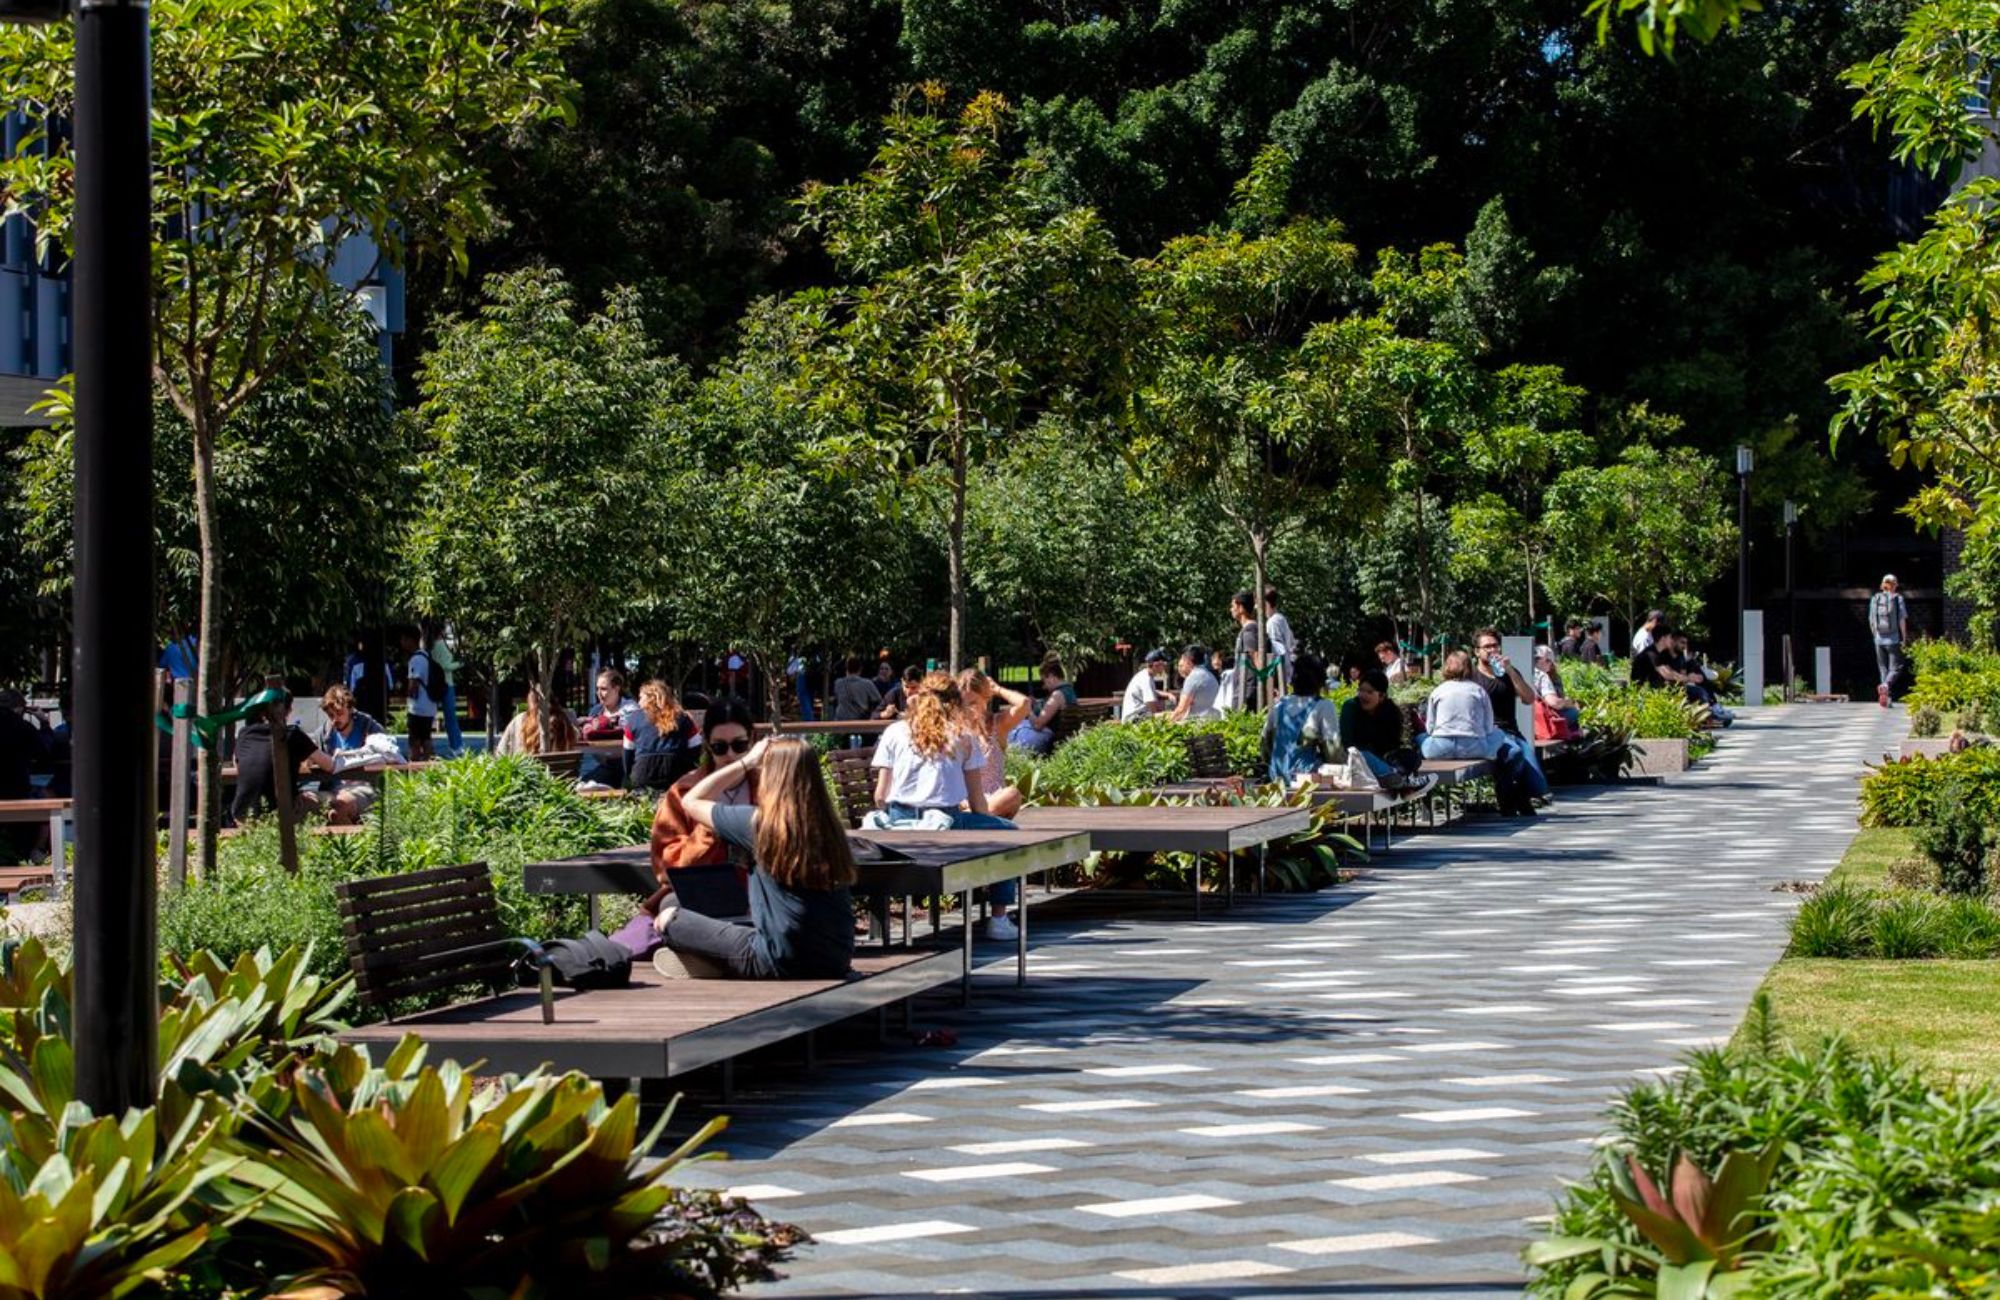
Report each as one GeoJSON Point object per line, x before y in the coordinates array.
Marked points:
{"type": "Point", "coordinates": [928, 773]}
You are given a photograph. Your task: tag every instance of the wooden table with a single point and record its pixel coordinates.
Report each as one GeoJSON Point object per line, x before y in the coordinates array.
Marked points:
{"type": "Point", "coordinates": [1130, 828]}
{"type": "Point", "coordinates": [918, 864]}
{"type": "Point", "coordinates": [59, 814]}
{"type": "Point", "coordinates": [826, 727]}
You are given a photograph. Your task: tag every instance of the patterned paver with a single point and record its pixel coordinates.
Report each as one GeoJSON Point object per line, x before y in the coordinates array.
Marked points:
{"type": "Point", "coordinates": [1358, 1092]}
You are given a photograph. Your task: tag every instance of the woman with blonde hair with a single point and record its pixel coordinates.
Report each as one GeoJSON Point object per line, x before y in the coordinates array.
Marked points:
{"type": "Point", "coordinates": [525, 735]}
{"type": "Point", "coordinates": [929, 776]}
{"type": "Point", "coordinates": [801, 912]}
{"type": "Point", "coordinates": [663, 739]}
{"type": "Point", "coordinates": [989, 730]}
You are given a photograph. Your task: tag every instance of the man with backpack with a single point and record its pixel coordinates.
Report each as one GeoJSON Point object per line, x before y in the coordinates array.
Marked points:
{"type": "Point", "coordinates": [1889, 620]}
{"type": "Point", "coordinates": [425, 684]}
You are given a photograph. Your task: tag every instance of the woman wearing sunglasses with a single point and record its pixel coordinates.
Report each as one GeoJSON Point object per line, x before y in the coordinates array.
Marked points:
{"type": "Point", "coordinates": [696, 868]}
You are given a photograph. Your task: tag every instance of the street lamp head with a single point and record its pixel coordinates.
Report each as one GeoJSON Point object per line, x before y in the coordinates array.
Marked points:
{"type": "Point", "coordinates": [23, 12]}
{"type": "Point", "coordinates": [1791, 513]}
{"type": "Point", "coordinates": [1746, 460]}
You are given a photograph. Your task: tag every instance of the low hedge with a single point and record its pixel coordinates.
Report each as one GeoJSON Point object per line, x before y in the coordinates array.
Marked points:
{"type": "Point", "coordinates": [1952, 678]}
{"type": "Point", "coordinates": [1894, 925]}
{"type": "Point", "coordinates": [1911, 791]}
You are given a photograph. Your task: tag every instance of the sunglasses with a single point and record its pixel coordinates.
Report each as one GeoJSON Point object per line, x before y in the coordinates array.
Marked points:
{"type": "Point", "coordinates": [729, 746]}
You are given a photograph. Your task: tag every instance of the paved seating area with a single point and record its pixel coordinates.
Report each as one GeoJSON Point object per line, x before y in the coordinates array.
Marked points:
{"type": "Point", "coordinates": [1364, 1091]}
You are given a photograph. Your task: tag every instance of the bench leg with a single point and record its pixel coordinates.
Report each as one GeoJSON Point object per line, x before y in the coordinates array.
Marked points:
{"type": "Point", "coordinates": [812, 1050]}
{"type": "Point", "coordinates": [728, 1081]}
{"type": "Point", "coordinates": [937, 915]}
{"type": "Point", "coordinates": [1260, 869]}
{"type": "Point", "coordinates": [1195, 871]}
{"type": "Point", "coordinates": [1021, 932]}
{"type": "Point", "coordinates": [1228, 879]}
{"type": "Point", "coordinates": [965, 939]}
{"type": "Point", "coordinates": [907, 901]}
{"type": "Point", "coordinates": [593, 913]}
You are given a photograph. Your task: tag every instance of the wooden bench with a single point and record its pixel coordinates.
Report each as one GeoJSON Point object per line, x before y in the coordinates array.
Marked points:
{"type": "Point", "coordinates": [853, 782]}
{"type": "Point", "coordinates": [1075, 717]}
{"type": "Point", "coordinates": [423, 932]}
{"type": "Point", "coordinates": [1208, 757]}
{"type": "Point", "coordinates": [430, 931]}
{"type": "Point", "coordinates": [562, 762]}
{"type": "Point", "coordinates": [14, 881]}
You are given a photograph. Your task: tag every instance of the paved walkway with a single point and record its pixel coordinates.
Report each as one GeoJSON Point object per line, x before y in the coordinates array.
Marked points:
{"type": "Point", "coordinates": [1361, 1092]}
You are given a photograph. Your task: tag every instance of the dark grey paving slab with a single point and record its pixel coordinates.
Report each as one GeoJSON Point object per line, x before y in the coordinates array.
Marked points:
{"type": "Point", "coordinates": [1363, 1092]}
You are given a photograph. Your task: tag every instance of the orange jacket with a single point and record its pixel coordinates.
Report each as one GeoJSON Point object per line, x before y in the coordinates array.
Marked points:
{"type": "Point", "coordinates": [678, 840]}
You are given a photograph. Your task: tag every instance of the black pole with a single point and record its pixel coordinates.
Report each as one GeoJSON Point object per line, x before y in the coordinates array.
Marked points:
{"type": "Point", "coordinates": [117, 1016]}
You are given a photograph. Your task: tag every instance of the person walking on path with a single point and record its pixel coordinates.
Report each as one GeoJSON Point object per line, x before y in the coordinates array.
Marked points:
{"type": "Point", "coordinates": [448, 663]}
{"type": "Point", "coordinates": [1889, 620]}
{"type": "Point", "coordinates": [420, 675]}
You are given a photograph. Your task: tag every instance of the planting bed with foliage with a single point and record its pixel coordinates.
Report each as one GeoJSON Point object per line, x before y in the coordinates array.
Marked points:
{"type": "Point", "coordinates": [505, 812]}
{"type": "Point", "coordinates": [278, 1163]}
{"type": "Point", "coordinates": [1886, 955]}
{"type": "Point", "coordinates": [1908, 792]}
{"type": "Point", "coordinates": [1772, 1171]}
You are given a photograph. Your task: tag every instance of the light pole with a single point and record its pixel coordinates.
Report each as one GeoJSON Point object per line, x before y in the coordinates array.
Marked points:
{"type": "Point", "coordinates": [116, 1017]}
{"type": "Point", "coordinates": [1746, 461]}
{"type": "Point", "coordinates": [1791, 595]}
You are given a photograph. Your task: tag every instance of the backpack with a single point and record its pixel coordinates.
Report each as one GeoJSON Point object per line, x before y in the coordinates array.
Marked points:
{"type": "Point", "coordinates": [1882, 613]}
{"type": "Point", "coordinates": [590, 961]}
{"type": "Point", "coordinates": [433, 678]}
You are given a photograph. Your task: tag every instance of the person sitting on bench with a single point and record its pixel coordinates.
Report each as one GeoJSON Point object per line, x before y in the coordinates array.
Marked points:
{"type": "Point", "coordinates": [255, 783]}
{"type": "Point", "coordinates": [801, 910]}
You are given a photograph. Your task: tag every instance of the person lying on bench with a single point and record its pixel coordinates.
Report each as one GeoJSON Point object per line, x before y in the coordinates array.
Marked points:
{"type": "Point", "coordinates": [801, 913]}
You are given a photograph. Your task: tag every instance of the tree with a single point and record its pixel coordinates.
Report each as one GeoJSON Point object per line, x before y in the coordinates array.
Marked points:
{"type": "Point", "coordinates": [1651, 529]}
{"type": "Point", "coordinates": [309, 503]}
{"type": "Point", "coordinates": [540, 451]}
{"type": "Point", "coordinates": [285, 134]}
{"type": "Point", "coordinates": [974, 302]}
{"type": "Point", "coordinates": [1930, 397]}
{"type": "Point", "coordinates": [1250, 369]}
{"type": "Point", "coordinates": [758, 549]}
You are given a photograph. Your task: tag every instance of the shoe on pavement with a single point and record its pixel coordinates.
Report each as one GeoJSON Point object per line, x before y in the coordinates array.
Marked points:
{"type": "Point", "coordinates": [1002, 929]}
{"type": "Point", "coordinates": [688, 965]}
{"type": "Point", "coordinates": [1882, 696]}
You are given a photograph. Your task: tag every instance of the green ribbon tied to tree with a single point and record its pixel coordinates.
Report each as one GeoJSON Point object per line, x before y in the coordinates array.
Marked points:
{"type": "Point", "coordinates": [206, 727]}
{"type": "Point", "coordinates": [1437, 645]}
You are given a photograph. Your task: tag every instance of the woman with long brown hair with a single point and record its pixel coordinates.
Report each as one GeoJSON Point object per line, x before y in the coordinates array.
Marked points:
{"type": "Point", "coordinates": [929, 776]}
{"type": "Point", "coordinates": [989, 729]}
{"type": "Point", "coordinates": [663, 740]}
{"type": "Point", "coordinates": [524, 735]}
{"type": "Point", "coordinates": [801, 913]}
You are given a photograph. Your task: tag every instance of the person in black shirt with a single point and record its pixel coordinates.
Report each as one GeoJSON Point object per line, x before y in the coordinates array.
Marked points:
{"type": "Point", "coordinates": [1371, 722]}
{"type": "Point", "coordinates": [255, 789]}
{"type": "Point", "coordinates": [801, 912]}
{"type": "Point", "coordinates": [1505, 687]}
{"type": "Point", "coordinates": [1654, 665]}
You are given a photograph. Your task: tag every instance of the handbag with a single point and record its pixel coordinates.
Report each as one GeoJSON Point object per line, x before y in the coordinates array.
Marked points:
{"type": "Point", "coordinates": [1551, 725]}
{"type": "Point", "coordinates": [590, 961]}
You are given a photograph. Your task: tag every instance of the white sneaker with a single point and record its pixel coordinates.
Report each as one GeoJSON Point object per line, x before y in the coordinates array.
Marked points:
{"type": "Point", "coordinates": [1002, 929]}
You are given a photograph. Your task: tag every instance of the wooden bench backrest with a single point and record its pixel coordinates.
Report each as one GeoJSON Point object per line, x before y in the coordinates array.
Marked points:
{"type": "Point", "coordinates": [853, 782]}
{"type": "Point", "coordinates": [563, 762]}
{"type": "Point", "coordinates": [1209, 756]}
{"type": "Point", "coordinates": [423, 931]}
{"type": "Point", "coordinates": [1076, 717]}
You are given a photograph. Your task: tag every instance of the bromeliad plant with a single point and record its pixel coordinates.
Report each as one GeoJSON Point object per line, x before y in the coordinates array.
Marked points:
{"type": "Point", "coordinates": [410, 1179]}
{"type": "Point", "coordinates": [96, 1208]}
{"type": "Point", "coordinates": [1698, 1232]}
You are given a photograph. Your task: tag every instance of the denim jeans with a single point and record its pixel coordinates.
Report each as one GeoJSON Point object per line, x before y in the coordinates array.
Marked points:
{"type": "Point", "coordinates": [1888, 658]}
{"type": "Point", "coordinates": [1375, 765]}
{"type": "Point", "coordinates": [1514, 772]}
{"type": "Point", "coordinates": [1000, 893]}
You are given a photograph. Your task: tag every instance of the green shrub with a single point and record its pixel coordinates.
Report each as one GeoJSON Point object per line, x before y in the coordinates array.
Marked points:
{"type": "Point", "coordinates": [1907, 792]}
{"type": "Point", "coordinates": [1959, 839]}
{"type": "Point", "coordinates": [1968, 929]}
{"type": "Point", "coordinates": [505, 812]}
{"type": "Point", "coordinates": [1867, 1147]}
{"type": "Point", "coordinates": [1640, 712]}
{"type": "Point", "coordinates": [1835, 922]}
{"type": "Point", "coordinates": [1898, 925]}
{"type": "Point", "coordinates": [1905, 927]}
{"type": "Point", "coordinates": [1135, 755]}
{"type": "Point", "coordinates": [1925, 720]}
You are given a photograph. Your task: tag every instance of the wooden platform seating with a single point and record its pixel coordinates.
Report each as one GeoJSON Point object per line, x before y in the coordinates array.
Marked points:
{"type": "Point", "coordinates": [422, 932]}
{"type": "Point", "coordinates": [15, 880]}
{"type": "Point", "coordinates": [853, 782]}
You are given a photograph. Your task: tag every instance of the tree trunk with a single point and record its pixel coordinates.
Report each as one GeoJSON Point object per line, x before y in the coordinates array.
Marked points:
{"type": "Point", "coordinates": [1531, 598]}
{"type": "Point", "coordinates": [955, 555]}
{"type": "Point", "coordinates": [545, 682]}
{"type": "Point", "coordinates": [1265, 685]}
{"type": "Point", "coordinates": [208, 670]}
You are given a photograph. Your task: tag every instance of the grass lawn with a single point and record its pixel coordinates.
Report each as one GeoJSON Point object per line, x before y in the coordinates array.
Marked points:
{"type": "Point", "coordinates": [1866, 864]}
{"type": "Point", "coordinates": [1941, 1014]}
